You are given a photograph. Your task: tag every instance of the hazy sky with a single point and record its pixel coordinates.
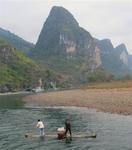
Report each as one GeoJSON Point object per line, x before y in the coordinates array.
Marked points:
{"type": "Point", "coordinates": [102, 18]}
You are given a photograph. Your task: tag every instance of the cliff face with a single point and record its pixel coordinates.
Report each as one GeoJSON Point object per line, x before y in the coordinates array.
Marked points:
{"type": "Point", "coordinates": [130, 61]}
{"type": "Point", "coordinates": [61, 35]}
{"type": "Point", "coordinates": [5, 53]}
{"type": "Point", "coordinates": [116, 60]}
{"type": "Point", "coordinates": [121, 51]}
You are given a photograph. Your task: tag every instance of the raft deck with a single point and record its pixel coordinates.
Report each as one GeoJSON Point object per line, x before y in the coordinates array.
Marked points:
{"type": "Point", "coordinates": [30, 135]}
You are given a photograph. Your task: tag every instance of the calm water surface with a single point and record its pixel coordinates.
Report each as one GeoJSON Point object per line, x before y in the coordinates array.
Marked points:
{"type": "Point", "coordinates": [114, 132]}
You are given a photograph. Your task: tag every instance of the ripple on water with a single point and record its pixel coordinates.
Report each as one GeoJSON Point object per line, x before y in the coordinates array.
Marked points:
{"type": "Point", "coordinates": [114, 132]}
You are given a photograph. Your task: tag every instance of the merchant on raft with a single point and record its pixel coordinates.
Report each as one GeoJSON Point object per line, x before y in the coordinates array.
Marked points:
{"type": "Point", "coordinates": [62, 132]}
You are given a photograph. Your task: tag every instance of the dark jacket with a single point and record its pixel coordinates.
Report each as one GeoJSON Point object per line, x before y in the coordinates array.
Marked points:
{"type": "Point", "coordinates": [67, 124]}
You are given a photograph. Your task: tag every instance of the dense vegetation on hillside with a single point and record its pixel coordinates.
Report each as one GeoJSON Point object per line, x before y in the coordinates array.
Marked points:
{"type": "Point", "coordinates": [16, 41]}
{"type": "Point", "coordinates": [16, 69]}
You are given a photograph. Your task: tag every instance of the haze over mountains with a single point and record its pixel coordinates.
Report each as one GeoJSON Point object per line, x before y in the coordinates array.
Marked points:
{"type": "Point", "coordinates": [67, 49]}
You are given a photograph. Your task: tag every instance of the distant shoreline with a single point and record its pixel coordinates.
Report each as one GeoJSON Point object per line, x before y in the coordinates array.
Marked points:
{"type": "Point", "coordinates": [116, 100]}
{"type": "Point", "coordinates": [14, 93]}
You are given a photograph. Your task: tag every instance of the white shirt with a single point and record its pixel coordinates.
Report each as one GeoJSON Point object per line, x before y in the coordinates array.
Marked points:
{"type": "Point", "coordinates": [40, 124]}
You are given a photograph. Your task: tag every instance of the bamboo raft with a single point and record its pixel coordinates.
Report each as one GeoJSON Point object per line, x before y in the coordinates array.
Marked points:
{"type": "Point", "coordinates": [30, 135]}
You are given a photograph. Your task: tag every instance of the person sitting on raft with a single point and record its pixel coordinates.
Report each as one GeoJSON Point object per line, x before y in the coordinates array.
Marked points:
{"type": "Point", "coordinates": [68, 127]}
{"type": "Point", "coordinates": [40, 125]}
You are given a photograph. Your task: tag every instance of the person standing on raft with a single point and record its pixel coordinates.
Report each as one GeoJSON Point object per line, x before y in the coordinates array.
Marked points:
{"type": "Point", "coordinates": [40, 125]}
{"type": "Point", "coordinates": [68, 127]}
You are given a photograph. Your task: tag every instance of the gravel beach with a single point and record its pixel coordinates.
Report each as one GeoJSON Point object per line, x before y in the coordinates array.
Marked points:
{"type": "Point", "coordinates": [107, 100]}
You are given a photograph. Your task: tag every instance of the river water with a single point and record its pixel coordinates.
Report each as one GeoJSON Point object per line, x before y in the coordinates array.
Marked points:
{"type": "Point", "coordinates": [114, 132]}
